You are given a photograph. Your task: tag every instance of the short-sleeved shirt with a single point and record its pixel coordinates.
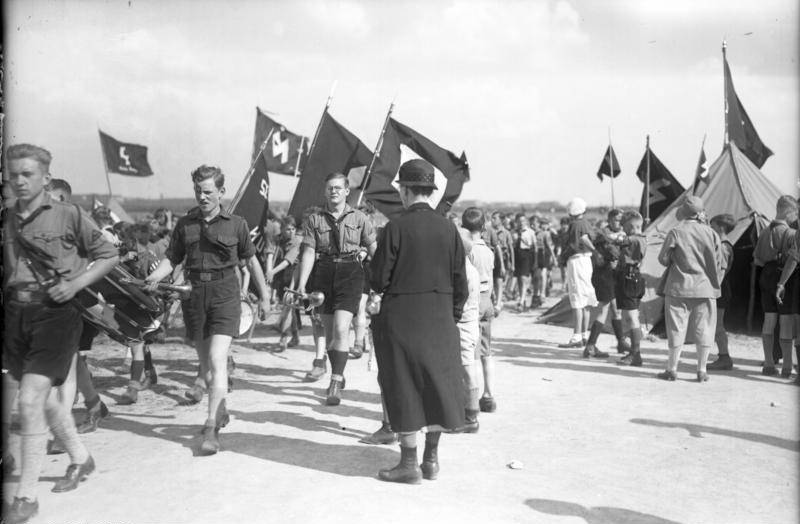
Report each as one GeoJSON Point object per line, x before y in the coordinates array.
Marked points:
{"type": "Point", "coordinates": [691, 252]}
{"type": "Point", "coordinates": [60, 230]}
{"type": "Point", "coordinates": [773, 242]}
{"type": "Point", "coordinates": [288, 249]}
{"type": "Point", "coordinates": [355, 231]}
{"type": "Point", "coordinates": [483, 259]}
{"type": "Point", "coordinates": [794, 253]}
{"type": "Point", "coordinates": [505, 241]}
{"type": "Point", "coordinates": [470, 313]}
{"type": "Point", "coordinates": [578, 228]}
{"type": "Point", "coordinates": [527, 239]}
{"type": "Point", "coordinates": [210, 245]}
{"type": "Point", "coordinates": [632, 250]}
{"type": "Point", "coordinates": [489, 236]}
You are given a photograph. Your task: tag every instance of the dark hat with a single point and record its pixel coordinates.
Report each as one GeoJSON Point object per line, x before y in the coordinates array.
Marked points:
{"type": "Point", "coordinates": [417, 173]}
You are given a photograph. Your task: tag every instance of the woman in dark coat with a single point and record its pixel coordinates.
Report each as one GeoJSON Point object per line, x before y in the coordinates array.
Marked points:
{"type": "Point", "coordinates": [419, 268]}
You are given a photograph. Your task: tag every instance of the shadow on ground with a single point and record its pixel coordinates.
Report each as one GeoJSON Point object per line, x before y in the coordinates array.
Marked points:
{"type": "Point", "coordinates": [594, 515]}
{"type": "Point", "coordinates": [697, 430]}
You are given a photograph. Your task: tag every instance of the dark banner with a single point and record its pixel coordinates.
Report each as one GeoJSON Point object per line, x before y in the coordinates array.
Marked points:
{"type": "Point", "coordinates": [123, 158]}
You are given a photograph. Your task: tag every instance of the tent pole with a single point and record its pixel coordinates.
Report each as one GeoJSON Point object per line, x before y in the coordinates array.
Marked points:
{"type": "Point", "coordinates": [725, 88]}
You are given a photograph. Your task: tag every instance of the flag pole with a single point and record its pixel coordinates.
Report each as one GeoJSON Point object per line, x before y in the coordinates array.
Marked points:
{"type": "Point", "coordinates": [299, 154]}
{"type": "Point", "coordinates": [725, 88]}
{"type": "Point", "coordinates": [375, 155]}
{"type": "Point", "coordinates": [105, 162]}
{"type": "Point", "coordinates": [249, 175]}
{"type": "Point", "coordinates": [647, 186]}
{"type": "Point", "coordinates": [322, 118]}
{"type": "Point", "coordinates": [611, 164]}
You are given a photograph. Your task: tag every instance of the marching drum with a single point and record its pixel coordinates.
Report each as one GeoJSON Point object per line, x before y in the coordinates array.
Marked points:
{"type": "Point", "coordinates": [247, 317]}
{"type": "Point", "coordinates": [121, 309]}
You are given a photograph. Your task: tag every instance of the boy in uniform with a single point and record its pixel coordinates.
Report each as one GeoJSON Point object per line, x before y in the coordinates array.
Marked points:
{"type": "Point", "coordinates": [43, 242]}
{"type": "Point", "coordinates": [630, 285]}
{"type": "Point", "coordinates": [210, 242]}
{"type": "Point", "coordinates": [722, 225]}
{"type": "Point", "coordinates": [281, 277]}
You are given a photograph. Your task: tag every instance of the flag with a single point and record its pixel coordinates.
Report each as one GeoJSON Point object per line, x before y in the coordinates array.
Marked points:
{"type": "Point", "coordinates": [700, 175]}
{"type": "Point", "coordinates": [664, 188]}
{"type": "Point", "coordinates": [740, 127]}
{"type": "Point", "coordinates": [123, 158]}
{"type": "Point", "coordinates": [117, 212]}
{"type": "Point", "coordinates": [335, 149]}
{"type": "Point", "coordinates": [285, 152]}
{"type": "Point", "coordinates": [609, 160]}
{"type": "Point", "coordinates": [400, 144]}
{"type": "Point", "coordinates": [252, 200]}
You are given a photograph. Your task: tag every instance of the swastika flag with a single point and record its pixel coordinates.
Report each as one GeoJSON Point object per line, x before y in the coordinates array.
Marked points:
{"type": "Point", "coordinates": [285, 152]}
{"type": "Point", "coordinates": [123, 158]}
{"type": "Point", "coordinates": [664, 188]}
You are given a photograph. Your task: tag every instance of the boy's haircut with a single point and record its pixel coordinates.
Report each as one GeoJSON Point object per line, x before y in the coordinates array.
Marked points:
{"type": "Point", "coordinates": [725, 221]}
{"type": "Point", "coordinates": [205, 172]}
{"type": "Point", "coordinates": [289, 220]}
{"type": "Point", "coordinates": [630, 216]}
{"type": "Point", "coordinates": [59, 184]}
{"type": "Point", "coordinates": [614, 213]}
{"type": "Point", "coordinates": [786, 203]}
{"type": "Point", "coordinates": [473, 219]}
{"type": "Point", "coordinates": [498, 214]}
{"type": "Point", "coordinates": [335, 175]}
{"type": "Point", "coordinates": [564, 221]}
{"type": "Point", "coordinates": [141, 227]}
{"type": "Point", "coordinates": [40, 154]}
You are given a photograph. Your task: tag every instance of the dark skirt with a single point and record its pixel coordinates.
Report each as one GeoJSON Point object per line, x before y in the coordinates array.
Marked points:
{"type": "Point", "coordinates": [419, 361]}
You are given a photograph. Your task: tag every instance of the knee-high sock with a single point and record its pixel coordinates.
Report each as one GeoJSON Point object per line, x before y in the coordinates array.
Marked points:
{"type": "Point", "coordinates": [636, 339]}
{"type": "Point", "coordinates": [674, 358]}
{"type": "Point", "coordinates": [31, 459]}
{"type": "Point", "coordinates": [338, 361]}
{"type": "Point", "coordinates": [768, 340]}
{"type": "Point", "coordinates": [594, 334]}
{"type": "Point", "coordinates": [148, 358]}
{"type": "Point", "coordinates": [63, 427]}
{"type": "Point", "coordinates": [616, 324]}
{"type": "Point", "coordinates": [786, 348]}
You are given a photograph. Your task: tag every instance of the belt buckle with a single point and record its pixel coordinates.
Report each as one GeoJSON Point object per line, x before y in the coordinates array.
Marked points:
{"type": "Point", "coordinates": [23, 295]}
{"type": "Point", "coordinates": [205, 277]}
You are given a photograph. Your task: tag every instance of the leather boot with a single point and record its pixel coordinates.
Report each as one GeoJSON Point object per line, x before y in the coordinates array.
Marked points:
{"type": "Point", "coordinates": [430, 461]}
{"type": "Point", "coordinates": [318, 370]}
{"type": "Point", "coordinates": [335, 392]}
{"type": "Point", "coordinates": [723, 363]}
{"type": "Point", "coordinates": [93, 418]}
{"type": "Point", "coordinates": [385, 435]}
{"type": "Point", "coordinates": [407, 471]}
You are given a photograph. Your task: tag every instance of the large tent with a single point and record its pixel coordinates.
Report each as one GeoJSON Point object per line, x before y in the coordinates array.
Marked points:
{"type": "Point", "coordinates": [736, 186]}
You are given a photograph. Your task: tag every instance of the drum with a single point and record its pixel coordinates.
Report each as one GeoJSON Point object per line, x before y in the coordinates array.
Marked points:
{"type": "Point", "coordinates": [121, 310]}
{"type": "Point", "coordinates": [247, 317]}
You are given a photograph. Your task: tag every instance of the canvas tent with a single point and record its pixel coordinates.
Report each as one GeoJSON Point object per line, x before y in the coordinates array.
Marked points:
{"type": "Point", "coordinates": [736, 186]}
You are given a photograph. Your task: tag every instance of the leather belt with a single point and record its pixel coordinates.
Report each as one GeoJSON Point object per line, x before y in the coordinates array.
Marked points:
{"type": "Point", "coordinates": [210, 275]}
{"type": "Point", "coordinates": [346, 257]}
{"type": "Point", "coordinates": [29, 294]}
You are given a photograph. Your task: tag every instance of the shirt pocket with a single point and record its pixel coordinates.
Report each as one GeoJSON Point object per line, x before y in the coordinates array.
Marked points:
{"type": "Point", "coordinates": [352, 237]}
{"type": "Point", "coordinates": [230, 243]}
{"type": "Point", "coordinates": [324, 240]}
{"type": "Point", "coordinates": [54, 243]}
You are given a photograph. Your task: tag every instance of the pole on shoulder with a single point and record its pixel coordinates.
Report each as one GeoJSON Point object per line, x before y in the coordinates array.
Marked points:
{"type": "Point", "coordinates": [250, 171]}
{"type": "Point", "coordinates": [375, 155]}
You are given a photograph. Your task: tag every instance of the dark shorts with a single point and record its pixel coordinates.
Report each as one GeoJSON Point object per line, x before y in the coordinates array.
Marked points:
{"type": "Point", "coordinates": [524, 262]}
{"type": "Point", "coordinates": [88, 332]}
{"type": "Point", "coordinates": [603, 281]}
{"type": "Point", "coordinates": [544, 258]}
{"type": "Point", "coordinates": [40, 339]}
{"type": "Point", "coordinates": [768, 283]}
{"type": "Point", "coordinates": [342, 283]}
{"type": "Point", "coordinates": [628, 289]}
{"type": "Point", "coordinates": [724, 300]}
{"type": "Point", "coordinates": [213, 308]}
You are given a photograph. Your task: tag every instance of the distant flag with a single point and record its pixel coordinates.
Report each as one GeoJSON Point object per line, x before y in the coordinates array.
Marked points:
{"type": "Point", "coordinates": [608, 165]}
{"type": "Point", "coordinates": [664, 188]}
{"type": "Point", "coordinates": [740, 128]}
{"type": "Point", "coordinates": [251, 202]}
{"type": "Point", "coordinates": [701, 173]}
{"type": "Point", "coordinates": [401, 143]}
{"type": "Point", "coordinates": [286, 152]}
{"type": "Point", "coordinates": [335, 149]}
{"type": "Point", "coordinates": [123, 158]}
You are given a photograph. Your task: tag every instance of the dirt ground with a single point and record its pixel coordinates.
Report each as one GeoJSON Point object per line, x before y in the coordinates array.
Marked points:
{"type": "Point", "coordinates": [597, 442]}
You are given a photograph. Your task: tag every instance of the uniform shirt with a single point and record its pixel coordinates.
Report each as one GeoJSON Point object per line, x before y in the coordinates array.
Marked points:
{"type": "Point", "coordinates": [61, 231]}
{"type": "Point", "coordinates": [471, 313]}
{"type": "Point", "coordinates": [527, 239]}
{"type": "Point", "coordinates": [726, 256]}
{"type": "Point", "coordinates": [505, 241]}
{"type": "Point", "coordinates": [691, 253]}
{"type": "Point", "coordinates": [773, 243]}
{"type": "Point", "coordinates": [288, 249]}
{"type": "Point", "coordinates": [483, 259]}
{"type": "Point", "coordinates": [489, 236]}
{"type": "Point", "coordinates": [355, 231]}
{"type": "Point", "coordinates": [632, 250]}
{"type": "Point", "coordinates": [217, 244]}
{"type": "Point", "coordinates": [794, 253]}
{"type": "Point", "coordinates": [578, 228]}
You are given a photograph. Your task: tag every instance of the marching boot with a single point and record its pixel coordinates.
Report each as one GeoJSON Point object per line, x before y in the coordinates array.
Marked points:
{"type": "Point", "coordinates": [334, 393]}
{"type": "Point", "coordinates": [430, 457]}
{"type": "Point", "coordinates": [210, 444]}
{"type": "Point", "coordinates": [93, 417]}
{"type": "Point", "coordinates": [407, 471]}
{"type": "Point", "coordinates": [318, 369]}
{"type": "Point", "coordinates": [385, 435]}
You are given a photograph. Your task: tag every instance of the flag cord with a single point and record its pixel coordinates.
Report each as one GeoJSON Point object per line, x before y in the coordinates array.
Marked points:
{"type": "Point", "coordinates": [250, 171]}
{"type": "Point", "coordinates": [375, 154]}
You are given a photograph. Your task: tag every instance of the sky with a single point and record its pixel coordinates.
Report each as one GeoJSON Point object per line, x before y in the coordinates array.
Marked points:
{"type": "Point", "coordinates": [531, 90]}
